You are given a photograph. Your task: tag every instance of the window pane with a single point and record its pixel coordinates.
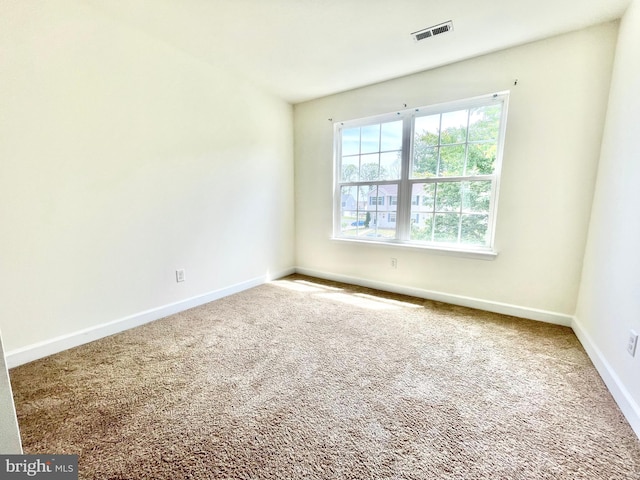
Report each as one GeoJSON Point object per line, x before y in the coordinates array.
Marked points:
{"type": "Point", "coordinates": [383, 223]}
{"type": "Point", "coordinates": [380, 217]}
{"type": "Point", "coordinates": [474, 229]}
{"type": "Point", "coordinates": [484, 123]}
{"type": "Point", "coordinates": [426, 136]}
{"type": "Point", "coordinates": [454, 127]}
{"type": "Point", "coordinates": [425, 161]}
{"type": "Point", "coordinates": [446, 227]}
{"type": "Point", "coordinates": [481, 159]}
{"type": "Point", "coordinates": [370, 141]}
{"type": "Point", "coordinates": [391, 138]}
{"type": "Point", "coordinates": [448, 197]}
{"type": "Point", "coordinates": [426, 130]}
{"type": "Point", "coordinates": [390, 165]}
{"type": "Point", "coordinates": [369, 167]}
{"type": "Point", "coordinates": [358, 225]}
{"type": "Point", "coordinates": [422, 227]}
{"type": "Point", "coordinates": [476, 196]}
{"type": "Point", "coordinates": [348, 211]}
{"type": "Point", "coordinates": [366, 195]}
{"type": "Point", "coordinates": [451, 161]}
{"type": "Point", "coordinates": [422, 197]}
{"type": "Point", "coordinates": [350, 169]}
{"type": "Point", "coordinates": [351, 141]}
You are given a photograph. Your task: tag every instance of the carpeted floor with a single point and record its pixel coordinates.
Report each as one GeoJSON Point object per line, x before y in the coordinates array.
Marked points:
{"type": "Point", "coordinates": [307, 379]}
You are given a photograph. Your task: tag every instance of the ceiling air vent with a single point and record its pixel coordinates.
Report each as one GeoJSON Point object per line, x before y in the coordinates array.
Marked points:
{"type": "Point", "coordinates": [432, 31]}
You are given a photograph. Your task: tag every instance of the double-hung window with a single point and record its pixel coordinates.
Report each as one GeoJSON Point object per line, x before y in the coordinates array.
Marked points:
{"type": "Point", "coordinates": [425, 176]}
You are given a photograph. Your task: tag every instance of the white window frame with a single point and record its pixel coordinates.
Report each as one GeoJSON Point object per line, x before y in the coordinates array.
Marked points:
{"type": "Point", "coordinates": [403, 213]}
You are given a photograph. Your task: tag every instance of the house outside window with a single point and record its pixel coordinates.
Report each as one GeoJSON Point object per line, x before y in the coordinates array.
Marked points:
{"type": "Point", "coordinates": [438, 167]}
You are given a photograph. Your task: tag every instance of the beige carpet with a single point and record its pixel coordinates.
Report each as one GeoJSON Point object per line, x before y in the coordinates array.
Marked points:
{"type": "Point", "coordinates": [306, 379]}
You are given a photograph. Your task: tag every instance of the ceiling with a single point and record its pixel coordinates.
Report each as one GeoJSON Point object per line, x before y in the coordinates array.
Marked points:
{"type": "Point", "coordinates": [304, 49]}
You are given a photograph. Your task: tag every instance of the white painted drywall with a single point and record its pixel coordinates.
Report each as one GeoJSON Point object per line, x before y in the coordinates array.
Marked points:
{"type": "Point", "coordinates": [554, 130]}
{"type": "Point", "coordinates": [609, 300]}
{"type": "Point", "coordinates": [9, 432]}
{"type": "Point", "coordinates": [122, 160]}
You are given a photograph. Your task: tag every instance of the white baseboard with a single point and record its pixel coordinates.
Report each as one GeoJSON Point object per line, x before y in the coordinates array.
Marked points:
{"type": "Point", "coordinates": [45, 348]}
{"type": "Point", "coordinates": [621, 395]}
{"type": "Point", "coordinates": [497, 307]}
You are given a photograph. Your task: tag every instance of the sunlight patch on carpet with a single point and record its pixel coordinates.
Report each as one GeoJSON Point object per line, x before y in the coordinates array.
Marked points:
{"type": "Point", "coordinates": [357, 301]}
{"type": "Point", "coordinates": [303, 286]}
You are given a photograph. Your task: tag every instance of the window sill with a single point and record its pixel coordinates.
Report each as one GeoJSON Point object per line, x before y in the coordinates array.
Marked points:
{"type": "Point", "coordinates": [449, 251]}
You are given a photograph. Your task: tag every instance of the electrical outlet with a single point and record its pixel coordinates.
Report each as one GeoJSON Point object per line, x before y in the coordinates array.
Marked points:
{"type": "Point", "coordinates": [394, 263]}
{"type": "Point", "coordinates": [180, 275]}
{"type": "Point", "coordinates": [633, 343]}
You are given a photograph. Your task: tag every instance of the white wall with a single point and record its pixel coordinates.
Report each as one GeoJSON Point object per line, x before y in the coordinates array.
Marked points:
{"type": "Point", "coordinates": [609, 301]}
{"type": "Point", "coordinates": [9, 433]}
{"type": "Point", "coordinates": [123, 159]}
{"type": "Point", "coordinates": [554, 129]}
